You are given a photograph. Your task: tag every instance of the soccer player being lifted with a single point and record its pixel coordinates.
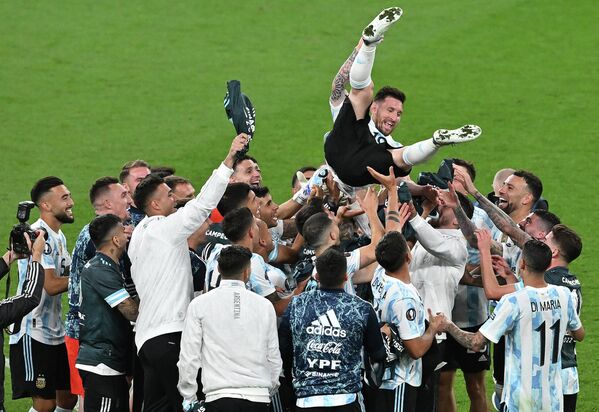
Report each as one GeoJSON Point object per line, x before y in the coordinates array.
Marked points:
{"type": "Point", "coordinates": [361, 134]}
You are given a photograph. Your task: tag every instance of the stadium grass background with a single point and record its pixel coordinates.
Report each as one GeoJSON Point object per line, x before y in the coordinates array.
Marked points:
{"type": "Point", "coordinates": [87, 86]}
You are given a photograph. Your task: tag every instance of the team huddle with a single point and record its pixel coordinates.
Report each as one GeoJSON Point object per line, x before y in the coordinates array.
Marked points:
{"type": "Point", "coordinates": [364, 291]}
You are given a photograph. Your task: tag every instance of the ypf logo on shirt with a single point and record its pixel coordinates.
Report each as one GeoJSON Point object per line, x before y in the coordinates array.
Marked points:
{"type": "Point", "coordinates": [327, 325]}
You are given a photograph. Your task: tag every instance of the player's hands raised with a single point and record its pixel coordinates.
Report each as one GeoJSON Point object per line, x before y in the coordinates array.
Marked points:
{"type": "Point", "coordinates": [448, 198]}
{"type": "Point", "coordinates": [389, 182]}
{"type": "Point", "coordinates": [502, 269]}
{"type": "Point", "coordinates": [237, 145]}
{"type": "Point", "coordinates": [483, 239]}
{"type": "Point", "coordinates": [465, 180]}
{"type": "Point", "coordinates": [370, 202]}
{"type": "Point", "coordinates": [399, 218]}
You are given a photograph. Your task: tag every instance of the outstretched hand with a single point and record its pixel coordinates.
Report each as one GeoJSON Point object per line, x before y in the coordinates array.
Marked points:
{"type": "Point", "coordinates": [502, 268]}
{"type": "Point", "coordinates": [483, 240]}
{"type": "Point", "coordinates": [464, 179]}
{"type": "Point", "coordinates": [389, 182]}
{"type": "Point", "coordinates": [448, 198]}
{"type": "Point", "coordinates": [370, 202]}
{"type": "Point", "coordinates": [237, 145]}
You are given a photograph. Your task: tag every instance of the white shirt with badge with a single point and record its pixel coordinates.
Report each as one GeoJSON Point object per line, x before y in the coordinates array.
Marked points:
{"type": "Point", "coordinates": [438, 262]}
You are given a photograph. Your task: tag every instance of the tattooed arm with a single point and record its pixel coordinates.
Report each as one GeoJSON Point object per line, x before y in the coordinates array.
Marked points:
{"type": "Point", "coordinates": [342, 78]}
{"type": "Point", "coordinates": [473, 341]}
{"type": "Point", "coordinates": [503, 222]}
{"type": "Point", "coordinates": [466, 225]}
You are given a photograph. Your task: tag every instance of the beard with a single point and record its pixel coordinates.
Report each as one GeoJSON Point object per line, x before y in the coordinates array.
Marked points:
{"type": "Point", "coordinates": [64, 218]}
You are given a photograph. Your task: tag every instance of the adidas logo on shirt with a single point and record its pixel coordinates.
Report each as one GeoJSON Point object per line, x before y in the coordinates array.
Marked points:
{"type": "Point", "coordinates": [326, 325]}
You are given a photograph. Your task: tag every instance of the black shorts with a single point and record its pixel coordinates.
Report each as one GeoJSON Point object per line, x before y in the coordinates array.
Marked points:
{"type": "Point", "coordinates": [37, 369]}
{"type": "Point", "coordinates": [105, 393]}
{"type": "Point", "coordinates": [350, 147]}
{"type": "Point", "coordinates": [350, 407]}
{"type": "Point", "coordinates": [235, 405]}
{"type": "Point", "coordinates": [401, 399]}
{"type": "Point", "coordinates": [458, 357]}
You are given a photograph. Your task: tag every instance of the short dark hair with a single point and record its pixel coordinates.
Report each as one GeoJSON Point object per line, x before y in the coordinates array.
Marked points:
{"type": "Point", "coordinates": [235, 196]}
{"type": "Point", "coordinates": [548, 219]}
{"type": "Point", "coordinates": [131, 165]}
{"type": "Point", "coordinates": [233, 260]}
{"type": "Point", "coordinates": [392, 251]}
{"type": "Point", "coordinates": [331, 267]}
{"type": "Point", "coordinates": [315, 206]}
{"type": "Point", "coordinates": [163, 171]}
{"type": "Point", "coordinates": [466, 204]}
{"type": "Point", "coordinates": [315, 228]}
{"type": "Point", "coordinates": [101, 226]}
{"type": "Point", "coordinates": [536, 255]}
{"type": "Point", "coordinates": [469, 166]}
{"type": "Point", "coordinates": [534, 184]}
{"type": "Point", "coordinates": [568, 242]}
{"type": "Point", "coordinates": [172, 181]}
{"type": "Point", "coordinates": [260, 191]}
{"type": "Point", "coordinates": [236, 223]}
{"type": "Point", "coordinates": [43, 186]}
{"type": "Point", "coordinates": [100, 187]}
{"type": "Point", "coordinates": [145, 190]}
{"type": "Point", "coordinates": [303, 170]}
{"type": "Point", "coordinates": [239, 159]}
{"type": "Point", "coordinates": [388, 91]}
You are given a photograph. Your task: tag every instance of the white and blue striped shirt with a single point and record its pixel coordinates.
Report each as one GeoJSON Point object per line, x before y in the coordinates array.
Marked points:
{"type": "Point", "coordinates": [534, 321]}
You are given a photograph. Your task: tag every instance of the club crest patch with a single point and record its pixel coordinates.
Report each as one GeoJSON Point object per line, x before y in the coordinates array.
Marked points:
{"type": "Point", "coordinates": [47, 249]}
{"type": "Point", "coordinates": [40, 382]}
{"type": "Point", "coordinates": [411, 314]}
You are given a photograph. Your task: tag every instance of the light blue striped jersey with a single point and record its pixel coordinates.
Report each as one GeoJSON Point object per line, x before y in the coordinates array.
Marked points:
{"type": "Point", "coordinates": [258, 282]}
{"type": "Point", "coordinates": [534, 321]}
{"type": "Point", "coordinates": [44, 323]}
{"type": "Point", "coordinates": [353, 265]}
{"type": "Point", "coordinates": [400, 304]}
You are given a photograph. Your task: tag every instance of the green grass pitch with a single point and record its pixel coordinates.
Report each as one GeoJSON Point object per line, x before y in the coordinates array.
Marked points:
{"type": "Point", "coordinates": [86, 86]}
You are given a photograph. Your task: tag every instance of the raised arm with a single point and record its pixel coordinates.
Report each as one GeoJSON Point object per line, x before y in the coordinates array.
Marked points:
{"type": "Point", "coordinates": [189, 218]}
{"type": "Point", "coordinates": [503, 222]}
{"type": "Point", "coordinates": [493, 290]}
{"type": "Point", "coordinates": [466, 225]}
{"type": "Point", "coordinates": [370, 206]}
{"type": "Point", "coordinates": [395, 220]}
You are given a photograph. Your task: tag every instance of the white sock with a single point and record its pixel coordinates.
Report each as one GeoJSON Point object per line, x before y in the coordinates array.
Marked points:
{"type": "Point", "coordinates": [32, 410]}
{"type": "Point", "coordinates": [359, 74]}
{"type": "Point", "coordinates": [419, 152]}
{"type": "Point", "coordinates": [59, 409]}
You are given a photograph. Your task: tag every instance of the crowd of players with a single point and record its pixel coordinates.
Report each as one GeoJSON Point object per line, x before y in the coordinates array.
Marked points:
{"type": "Point", "coordinates": [341, 298]}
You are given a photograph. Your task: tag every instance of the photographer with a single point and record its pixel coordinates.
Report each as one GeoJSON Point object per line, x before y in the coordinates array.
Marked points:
{"type": "Point", "coordinates": [14, 308]}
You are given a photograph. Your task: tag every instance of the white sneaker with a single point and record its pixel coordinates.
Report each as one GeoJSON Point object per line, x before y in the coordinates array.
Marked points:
{"type": "Point", "coordinates": [464, 134]}
{"type": "Point", "coordinates": [373, 33]}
